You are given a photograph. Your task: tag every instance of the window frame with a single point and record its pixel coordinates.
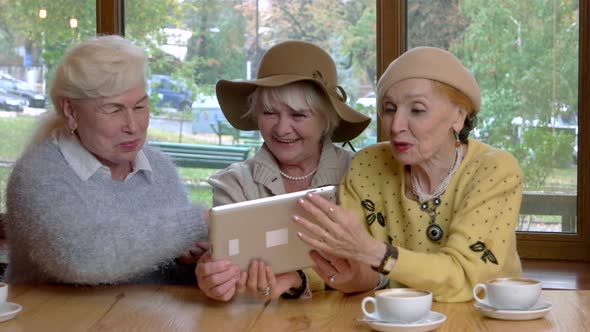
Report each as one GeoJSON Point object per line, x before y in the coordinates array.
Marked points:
{"type": "Point", "coordinates": [391, 42]}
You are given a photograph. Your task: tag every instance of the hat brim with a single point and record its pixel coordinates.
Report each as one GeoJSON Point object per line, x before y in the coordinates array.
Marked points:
{"type": "Point", "coordinates": [233, 99]}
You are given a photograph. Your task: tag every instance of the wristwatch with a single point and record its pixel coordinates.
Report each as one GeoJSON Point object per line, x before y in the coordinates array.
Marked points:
{"type": "Point", "coordinates": [388, 260]}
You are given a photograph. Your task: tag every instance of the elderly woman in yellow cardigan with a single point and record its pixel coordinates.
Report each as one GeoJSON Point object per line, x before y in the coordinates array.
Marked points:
{"type": "Point", "coordinates": [431, 208]}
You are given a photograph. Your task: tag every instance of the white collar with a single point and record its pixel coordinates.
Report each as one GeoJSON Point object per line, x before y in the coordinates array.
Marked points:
{"type": "Point", "coordinates": [85, 164]}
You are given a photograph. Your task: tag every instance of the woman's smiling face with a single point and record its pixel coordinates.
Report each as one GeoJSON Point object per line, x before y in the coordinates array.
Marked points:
{"type": "Point", "coordinates": [293, 136]}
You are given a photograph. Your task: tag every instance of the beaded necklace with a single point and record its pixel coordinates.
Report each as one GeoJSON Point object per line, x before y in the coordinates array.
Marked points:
{"type": "Point", "coordinates": [297, 178]}
{"type": "Point", "coordinates": [434, 232]}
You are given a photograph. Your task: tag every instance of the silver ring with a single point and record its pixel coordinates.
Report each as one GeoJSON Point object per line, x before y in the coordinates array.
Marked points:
{"type": "Point", "coordinates": [265, 291]}
{"type": "Point", "coordinates": [333, 278]}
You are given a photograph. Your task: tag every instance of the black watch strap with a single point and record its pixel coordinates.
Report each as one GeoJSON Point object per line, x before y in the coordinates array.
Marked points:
{"type": "Point", "coordinates": [295, 293]}
{"type": "Point", "coordinates": [388, 260]}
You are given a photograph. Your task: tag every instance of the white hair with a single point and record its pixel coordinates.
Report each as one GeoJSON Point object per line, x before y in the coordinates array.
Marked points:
{"type": "Point", "coordinates": [102, 66]}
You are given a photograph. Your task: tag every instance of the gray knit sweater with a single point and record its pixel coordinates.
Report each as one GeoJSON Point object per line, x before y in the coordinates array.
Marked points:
{"type": "Point", "coordinates": [62, 229]}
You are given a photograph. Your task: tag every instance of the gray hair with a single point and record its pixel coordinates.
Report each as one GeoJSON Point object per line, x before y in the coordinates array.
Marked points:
{"type": "Point", "coordinates": [101, 66]}
{"type": "Point", "coordinates": [298, 96]}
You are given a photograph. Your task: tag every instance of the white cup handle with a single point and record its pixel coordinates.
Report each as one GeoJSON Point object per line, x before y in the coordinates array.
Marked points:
{"type": "Point", "coordinates": [371, 315]}
{"type": "Point", "coordinates": [476, 290]}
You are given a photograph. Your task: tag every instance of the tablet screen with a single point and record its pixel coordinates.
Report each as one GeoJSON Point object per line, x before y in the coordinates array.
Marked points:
{"type": "Point", "coordinates": [264, 229]}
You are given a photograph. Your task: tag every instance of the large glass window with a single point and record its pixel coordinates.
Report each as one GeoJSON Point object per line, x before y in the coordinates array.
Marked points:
{"type": "Point", "coordinates": [524, 55]}
{"type": "Point", "coordinates": [33, 37]}
{"type": "Point", "coordinates": [193, 44]}
{"type": "Point", "coordinates": [531, 101]}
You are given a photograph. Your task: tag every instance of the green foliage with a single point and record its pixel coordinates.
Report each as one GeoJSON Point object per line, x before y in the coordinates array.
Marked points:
{"type": "Point", "coordinates": [200, 194]}
{"type": "Point", "coordinates": [542, 151]}
{"type": "Point", "coordinates": [345, 29]}
{"type": "Point", "coordinates": [15, 136]}
{"type": "Point", "coordinates": [216, 47]}
{"type": "Point", "coordinates": [47, 39]}
{"type": "Point", "coordinates": [523, 56]}
{"type": "Point", "coordinates": [434, 23]}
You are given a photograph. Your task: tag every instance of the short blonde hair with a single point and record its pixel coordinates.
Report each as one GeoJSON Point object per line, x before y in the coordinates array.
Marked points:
{"type": "Point", "coordinates": [101, 66]}
{"type": "Point", "coordinates": [298, 96]}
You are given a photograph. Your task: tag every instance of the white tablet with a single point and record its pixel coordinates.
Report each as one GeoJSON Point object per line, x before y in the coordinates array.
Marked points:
{"type": "Point", "coordinates": [263, 228]}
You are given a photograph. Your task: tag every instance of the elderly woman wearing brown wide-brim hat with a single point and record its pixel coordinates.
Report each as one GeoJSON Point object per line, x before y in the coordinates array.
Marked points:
{"type": "Point", "coordinates": [300, 110]}
{"type": "Point", "coordinates": [430, 209]}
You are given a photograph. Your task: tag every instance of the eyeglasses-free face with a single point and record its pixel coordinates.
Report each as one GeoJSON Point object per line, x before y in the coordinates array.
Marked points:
{"type": "Point", "coordinates": [293, 136]}
{"type": "Point", "coordinates": [419, 123]}
{"type": "Point", "coordinates": [113, 129]}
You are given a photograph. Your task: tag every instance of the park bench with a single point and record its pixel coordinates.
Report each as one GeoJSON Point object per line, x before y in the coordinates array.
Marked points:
{"type": "Point", "coordinates": [553, 204]}
{"type": "Point", "coordinates": [202, 155]}
{"type": "Point", "coordinates": [222, 127]}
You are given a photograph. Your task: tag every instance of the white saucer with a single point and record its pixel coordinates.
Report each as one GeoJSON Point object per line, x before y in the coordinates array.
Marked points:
{"type": "Point", "coordinates": [431, 322]}
{"type": "Point", "coordinates": [9, 310]}
{"type": "Point", "coordinates": [540, 309]}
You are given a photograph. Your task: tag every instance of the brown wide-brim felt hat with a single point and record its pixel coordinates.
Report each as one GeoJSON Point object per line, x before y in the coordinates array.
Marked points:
{"type": "Point", "coordinates": [285, 63]}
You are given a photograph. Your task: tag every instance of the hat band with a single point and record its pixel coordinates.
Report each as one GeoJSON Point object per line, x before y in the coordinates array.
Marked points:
{"type": "Point", "coordinates": [317, 75]}
{"type": "Point", "coordinates": [342, 96]}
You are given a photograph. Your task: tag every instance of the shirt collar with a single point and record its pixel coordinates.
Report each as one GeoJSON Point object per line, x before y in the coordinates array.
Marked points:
{"type": "Point", "coordinates": [85, 164]}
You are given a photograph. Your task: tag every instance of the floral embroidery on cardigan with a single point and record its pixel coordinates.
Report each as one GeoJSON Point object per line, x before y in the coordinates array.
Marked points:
{"type": "Point", "coordinates": [371, 217]}
{"type": "Point", "coordinates": [487, 253]}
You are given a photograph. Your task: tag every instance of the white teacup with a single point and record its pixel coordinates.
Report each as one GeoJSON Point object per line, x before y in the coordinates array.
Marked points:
{"type": "Point", "coordinates": [509, 293]}
{"type": "Point", "coordinates": [406, 305]}
{"type": "Point", "coordinates": [3, 293]}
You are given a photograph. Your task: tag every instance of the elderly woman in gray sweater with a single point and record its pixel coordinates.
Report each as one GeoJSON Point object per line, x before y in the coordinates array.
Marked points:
{"type": "Point", "coordinates": [88, 203]}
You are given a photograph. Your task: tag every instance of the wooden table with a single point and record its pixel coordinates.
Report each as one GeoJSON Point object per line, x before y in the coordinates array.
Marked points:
{"type": "Point", "coordinates": [184, 308]}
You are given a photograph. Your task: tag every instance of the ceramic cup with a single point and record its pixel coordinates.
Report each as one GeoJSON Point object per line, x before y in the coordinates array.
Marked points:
{"type": "Point", "coordinates": [405, 305]}
{"type": "Point", "coordinates": [508, 293]}
{"type": "Point", "coordinates": [3, 293]}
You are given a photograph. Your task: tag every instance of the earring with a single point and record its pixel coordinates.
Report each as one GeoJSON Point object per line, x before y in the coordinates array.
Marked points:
{"type": "Point", "coordinates": [457, 140]}
{"type": "Point", "coordinates": [71, 132]}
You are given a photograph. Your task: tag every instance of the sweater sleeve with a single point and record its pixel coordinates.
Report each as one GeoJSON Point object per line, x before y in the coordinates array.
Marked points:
{"type": "Point", "coordinates": [71, 239]}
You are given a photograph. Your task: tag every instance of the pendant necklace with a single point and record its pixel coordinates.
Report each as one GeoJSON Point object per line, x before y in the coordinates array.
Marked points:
{"type": "Point", "coordinates": [297, 178]}
{"type": "Point", "coordinates": [434, 231]}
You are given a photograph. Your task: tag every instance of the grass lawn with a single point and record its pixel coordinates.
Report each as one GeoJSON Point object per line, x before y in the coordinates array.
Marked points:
{"type": "Point", "coordinates": [200, 194]}
{"type": "Point", "coordinates": [14, 136]}
{"type": "Point", "coordinates": [563, 180]}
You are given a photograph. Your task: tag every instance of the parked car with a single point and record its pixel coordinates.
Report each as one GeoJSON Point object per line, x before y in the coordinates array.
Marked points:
{"type": "Point", "coordinates": [6, 76]}
{"type": "Point", "coordinates": [10, 102]}
{"type": "Point", "coordinates": [20, 88]}
{"type": "Point", "coordinates": [171, 93]}
{"type": "Point", "coordinates": [206, 113]}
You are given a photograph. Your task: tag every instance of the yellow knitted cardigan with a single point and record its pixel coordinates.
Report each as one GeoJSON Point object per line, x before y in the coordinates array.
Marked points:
{"type": "Point", "coordinates": [478, 214]}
